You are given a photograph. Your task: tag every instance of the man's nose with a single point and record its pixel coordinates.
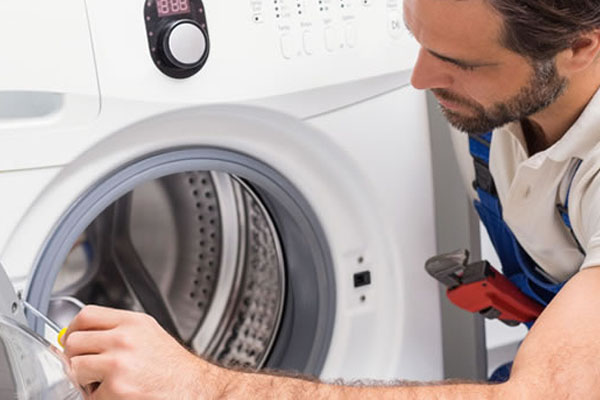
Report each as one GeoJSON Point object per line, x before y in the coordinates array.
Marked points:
{"type": "Point", "coordinates": [428, 73]}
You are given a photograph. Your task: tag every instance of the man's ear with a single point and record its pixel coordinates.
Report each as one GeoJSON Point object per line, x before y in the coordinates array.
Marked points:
{"type": "Point", "coordinates": [582, 53]}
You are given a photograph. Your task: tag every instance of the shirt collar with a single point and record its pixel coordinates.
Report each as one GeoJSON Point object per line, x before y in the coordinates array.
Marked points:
{"type": "Point", "coordinates": [582, 136]}
{"type": "Point", "coordinates": [579, 139]}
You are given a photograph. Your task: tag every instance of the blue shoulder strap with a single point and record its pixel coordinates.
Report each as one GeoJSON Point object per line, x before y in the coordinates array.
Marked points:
{"type": "Point", "coordinates": [517, 265]}
{"type": "Point", "coordinates": [563, 208]}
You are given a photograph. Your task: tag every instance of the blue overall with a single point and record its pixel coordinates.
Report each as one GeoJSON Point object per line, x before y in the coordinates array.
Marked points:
{"type": "Point", "coordinates": [517, 265]}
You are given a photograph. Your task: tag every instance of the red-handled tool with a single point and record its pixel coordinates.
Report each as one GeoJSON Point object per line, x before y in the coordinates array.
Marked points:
{"type": "Point", "coordinates": [478, 287]}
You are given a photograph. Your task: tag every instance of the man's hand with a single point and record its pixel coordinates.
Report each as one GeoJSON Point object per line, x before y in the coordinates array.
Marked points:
{"type": "Point", "coordinates": [119, 354]}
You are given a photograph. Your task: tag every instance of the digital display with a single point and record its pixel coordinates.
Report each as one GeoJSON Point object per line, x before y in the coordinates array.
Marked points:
{"type": "Point", "coordinates": [172, 7]}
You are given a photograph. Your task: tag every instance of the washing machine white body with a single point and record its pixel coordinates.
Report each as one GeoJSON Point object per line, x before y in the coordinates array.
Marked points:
{"type": "Point", "coordinates": [316, 90]}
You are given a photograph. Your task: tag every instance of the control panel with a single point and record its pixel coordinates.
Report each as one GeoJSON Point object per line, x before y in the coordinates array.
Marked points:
{"type": "Point", "coordinates": [242, 49]}
{"type": "Point", "coordinates": [307, 26]}
{"type": "Point", "coordinates": [177, 36]}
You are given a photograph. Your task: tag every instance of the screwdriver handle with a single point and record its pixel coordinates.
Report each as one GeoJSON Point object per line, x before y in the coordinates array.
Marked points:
{"type": "Point", "coordinates": [60, 336]}
{"type": "Point", "coordinates": [48, 321]}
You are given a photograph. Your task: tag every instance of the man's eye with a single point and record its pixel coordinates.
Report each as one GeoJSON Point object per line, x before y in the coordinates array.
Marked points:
{"type": "Point", "coordinates": [466, 67]}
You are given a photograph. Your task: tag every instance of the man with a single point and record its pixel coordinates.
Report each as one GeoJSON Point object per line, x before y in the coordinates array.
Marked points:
{"type": "Point", "coordinates": [530, 64]}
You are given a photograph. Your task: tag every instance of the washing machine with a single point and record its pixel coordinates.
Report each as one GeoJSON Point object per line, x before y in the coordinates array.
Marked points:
{"type": "Point", "coordinates": [255, 174]}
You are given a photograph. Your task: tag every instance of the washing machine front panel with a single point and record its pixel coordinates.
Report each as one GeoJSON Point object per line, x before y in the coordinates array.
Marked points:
{"type": "Point", "coordinates": [387, 139]}
{"type": "Point", "coordinates": [291, 61]}
{"type": "Point", "coordinates": [53, 35]}
{"type": "Point", "coordinates": [24, 187]}
{"type": "Point", "coordinates": [48, 78]}
{"type": "Point", "coordinates": [330, 183]}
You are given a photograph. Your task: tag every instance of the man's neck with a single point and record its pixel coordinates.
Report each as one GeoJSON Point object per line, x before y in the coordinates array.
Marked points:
{"type": "Point", "coordinates": [534, 136]}
{"type": "Point", "coordinates": [545, 128]}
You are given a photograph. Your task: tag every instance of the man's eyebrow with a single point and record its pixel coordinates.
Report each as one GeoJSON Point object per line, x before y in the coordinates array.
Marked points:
{"type": "Point", "coordinates": [455, 61]}
{"type": "Point", "coordinates": [459, 62]}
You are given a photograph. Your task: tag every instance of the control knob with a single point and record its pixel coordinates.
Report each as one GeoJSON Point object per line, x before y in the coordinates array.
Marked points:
{"type": "Point", "coordinates": [184, 44]}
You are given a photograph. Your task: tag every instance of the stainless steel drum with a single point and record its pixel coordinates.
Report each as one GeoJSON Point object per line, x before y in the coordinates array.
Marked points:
{"type": "Point", "coordinates": [198, 251]}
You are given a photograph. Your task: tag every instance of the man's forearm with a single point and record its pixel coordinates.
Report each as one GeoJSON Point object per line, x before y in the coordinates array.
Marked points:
{"type": "Point", "coordinates": [238, 385]}
{"type": "Point", "coordinates": [139, 359]}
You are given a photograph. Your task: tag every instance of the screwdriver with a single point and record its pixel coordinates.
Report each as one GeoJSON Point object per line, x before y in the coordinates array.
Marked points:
{"type": "Point", "coordinates": [48, 321]}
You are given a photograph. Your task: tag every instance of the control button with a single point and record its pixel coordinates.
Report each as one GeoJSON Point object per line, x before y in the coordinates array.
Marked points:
{"type": "Point", "coordinates": [395, 25]}
{"type": "Point", "coordinates": [308, 39]}
{"type": "Point", "coordinates": [351, 35]}
{"type": "Point", "coordinates": [186, 44]}
{"type": "Point", "coordinates": [288, 46]}
{"type": "Point", "coordinates": [331, 40]}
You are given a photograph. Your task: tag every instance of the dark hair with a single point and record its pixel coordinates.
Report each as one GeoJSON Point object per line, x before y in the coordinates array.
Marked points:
{"type": "Point", "coordinates": [539, 29]}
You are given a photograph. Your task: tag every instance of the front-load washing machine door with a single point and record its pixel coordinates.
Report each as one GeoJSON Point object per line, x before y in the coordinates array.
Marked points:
{"type": "Point", "coordinates": [239, 229]}
{"type": "Point", "coordinates": [30, 367]}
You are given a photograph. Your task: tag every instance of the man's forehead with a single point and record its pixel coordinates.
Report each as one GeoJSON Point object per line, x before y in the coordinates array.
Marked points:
{"type": "Point", "coordinates": [461, 28]}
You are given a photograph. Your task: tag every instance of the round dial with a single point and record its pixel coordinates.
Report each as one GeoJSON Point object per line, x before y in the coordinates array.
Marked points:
{"type": "Point", "coordinates": [178, 37]}
{"type": "Point", "coordinates": [184, 44]}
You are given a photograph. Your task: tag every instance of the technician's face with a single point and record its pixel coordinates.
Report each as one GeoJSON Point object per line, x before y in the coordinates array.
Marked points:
{"type": "Point", "coordinates": [479, 84]}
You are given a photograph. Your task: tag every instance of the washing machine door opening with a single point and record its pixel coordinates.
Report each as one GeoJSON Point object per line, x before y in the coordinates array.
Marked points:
{"type": "Point", "coordinates": [218, 247]}
{"type": "Point", "coordinates": [198, 251]}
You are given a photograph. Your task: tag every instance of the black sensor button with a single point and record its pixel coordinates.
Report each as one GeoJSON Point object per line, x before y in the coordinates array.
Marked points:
{"type": "Point", "coordinates": [362, 278]}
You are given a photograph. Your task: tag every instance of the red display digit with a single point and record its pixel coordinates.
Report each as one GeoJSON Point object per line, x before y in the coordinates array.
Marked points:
{"type": "Point", "coordinates": [172, 7]}
{"type": "Point", "coordinates": [163, 7]}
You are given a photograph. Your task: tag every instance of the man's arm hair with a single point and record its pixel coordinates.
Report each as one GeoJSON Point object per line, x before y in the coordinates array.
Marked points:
{"type": "Point", "coordinates": [250, 385]}
{"type": "Point", "coordinates": [559, 359]}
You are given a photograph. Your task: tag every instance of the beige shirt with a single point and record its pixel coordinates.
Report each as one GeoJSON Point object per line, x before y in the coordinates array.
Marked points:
{"type": "Point", "coordinates": [530, 187]}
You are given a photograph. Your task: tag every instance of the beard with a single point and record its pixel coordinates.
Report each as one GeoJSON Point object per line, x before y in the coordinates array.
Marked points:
{"type": "Point", "coordinates": [543, 88]}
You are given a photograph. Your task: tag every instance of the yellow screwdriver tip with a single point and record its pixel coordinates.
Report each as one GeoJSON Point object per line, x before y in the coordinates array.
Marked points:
{"type": "Point", "coordinates": [60, 336]}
